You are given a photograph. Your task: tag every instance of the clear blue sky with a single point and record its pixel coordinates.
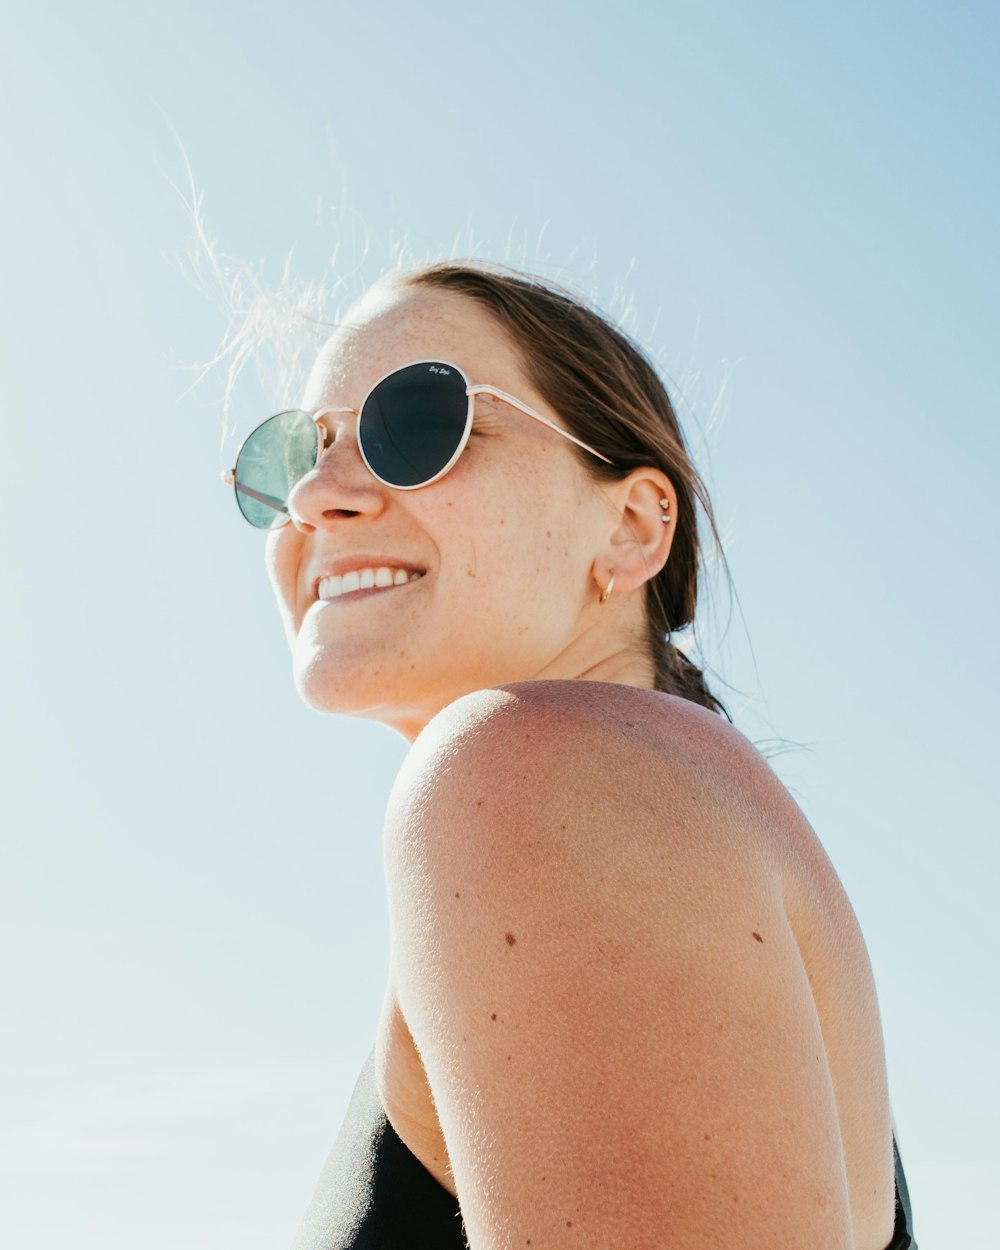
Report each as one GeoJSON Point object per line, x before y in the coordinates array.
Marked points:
{"type": "Point", "coordinates": [796, 205]}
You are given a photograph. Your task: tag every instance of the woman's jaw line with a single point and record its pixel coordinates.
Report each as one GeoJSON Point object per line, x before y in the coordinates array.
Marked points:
{"type": "Point", "coordinates": [419, 703]}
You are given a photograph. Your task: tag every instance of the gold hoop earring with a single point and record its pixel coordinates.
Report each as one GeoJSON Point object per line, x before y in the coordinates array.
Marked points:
{"type": "Point", "coordinates": [606, 592]}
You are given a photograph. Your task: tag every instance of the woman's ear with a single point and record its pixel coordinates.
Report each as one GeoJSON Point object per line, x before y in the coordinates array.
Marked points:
{"type": "Point", "coordinates": [639, 542]}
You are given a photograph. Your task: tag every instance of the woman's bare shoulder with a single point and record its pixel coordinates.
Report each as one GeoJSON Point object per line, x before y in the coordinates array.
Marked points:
{"type": "Point", "coordinates": [652, 751]}
{"type": "Point", "coordinates": [592, 956]}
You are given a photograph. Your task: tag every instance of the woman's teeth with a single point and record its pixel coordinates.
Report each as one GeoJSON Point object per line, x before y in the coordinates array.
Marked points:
{"type": "Point", "coordinates": [363, 579]}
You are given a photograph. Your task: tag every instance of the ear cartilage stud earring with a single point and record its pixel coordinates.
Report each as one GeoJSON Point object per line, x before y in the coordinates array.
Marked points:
{"type": "Point", "coordinates": [665, 503]}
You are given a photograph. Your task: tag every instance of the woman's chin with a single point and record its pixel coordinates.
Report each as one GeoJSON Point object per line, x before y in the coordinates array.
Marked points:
{"type": "Point", "coordinates": [332, 689]}
{"type": "Point", "coordinates": [333, 685]}
{"type": "Point", "coordinates": [394, 699]}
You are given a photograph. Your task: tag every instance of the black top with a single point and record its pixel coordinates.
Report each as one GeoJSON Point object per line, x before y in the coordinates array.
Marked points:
{"type": "Point", "coordinates": [374, 1194]}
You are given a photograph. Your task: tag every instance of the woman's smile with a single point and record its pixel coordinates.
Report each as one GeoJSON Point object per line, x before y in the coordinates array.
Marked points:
{"type": "Point", "coordinates": [365, 579]}
{"type": "Point", "coordinates": [363, 584]}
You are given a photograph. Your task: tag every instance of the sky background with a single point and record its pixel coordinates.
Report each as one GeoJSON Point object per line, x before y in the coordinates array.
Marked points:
{"type": "Point", "coordinates": [793, 206]}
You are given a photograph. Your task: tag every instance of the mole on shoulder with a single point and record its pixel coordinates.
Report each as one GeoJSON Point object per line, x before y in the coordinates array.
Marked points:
{"type": "Point", "coordinates": [757, 936]}
{"type": "Point", "coordinates": [509, 938]}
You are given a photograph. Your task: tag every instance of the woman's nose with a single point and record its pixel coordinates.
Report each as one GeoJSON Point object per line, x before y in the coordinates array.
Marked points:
{"type": "Point", "coordinates": [340, 486]}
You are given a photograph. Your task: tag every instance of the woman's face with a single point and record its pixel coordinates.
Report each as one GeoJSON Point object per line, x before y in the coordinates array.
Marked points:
{"type": "Point", "coordinates": [506, 540]}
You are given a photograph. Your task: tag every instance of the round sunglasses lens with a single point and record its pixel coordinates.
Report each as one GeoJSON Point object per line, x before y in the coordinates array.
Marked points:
{"type": "Point", "coordinates": [274, 457]}
{"type": "Point", "coordinates": [413, 423]}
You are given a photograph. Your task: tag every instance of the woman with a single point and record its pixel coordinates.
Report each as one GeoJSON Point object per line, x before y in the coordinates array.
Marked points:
{"type": "Point", "coordinates": [628, 1001]}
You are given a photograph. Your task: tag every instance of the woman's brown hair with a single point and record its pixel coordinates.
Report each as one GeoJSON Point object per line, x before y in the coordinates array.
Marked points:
{"type": "Point", "coordinates": [607, 393]}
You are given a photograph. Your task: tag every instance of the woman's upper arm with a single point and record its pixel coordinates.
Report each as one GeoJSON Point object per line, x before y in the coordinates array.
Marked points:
{"type": "Point", "coordinates": [607, 998]}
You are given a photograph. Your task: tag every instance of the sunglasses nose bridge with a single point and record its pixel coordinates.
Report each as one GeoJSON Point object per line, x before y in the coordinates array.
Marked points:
{"type": "Point", "coordinates": [324, 490]}
{"type": "Point", "coordinates": [325, 426]}
{"type": "Point", "coordinates": [332, 432]}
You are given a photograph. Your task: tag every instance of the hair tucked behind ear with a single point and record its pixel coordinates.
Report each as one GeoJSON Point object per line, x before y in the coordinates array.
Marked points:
{"type": "Point", "coordinates": [608, 394]}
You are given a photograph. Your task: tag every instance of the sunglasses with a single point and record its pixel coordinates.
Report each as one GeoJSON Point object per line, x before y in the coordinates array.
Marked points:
{"type": "Point", "coordinates": [412, 427]}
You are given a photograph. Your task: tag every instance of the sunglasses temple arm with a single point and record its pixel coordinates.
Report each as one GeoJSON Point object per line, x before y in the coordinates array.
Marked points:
{"type": "Point", "coordinates": [530, 412]}
{"type": "Point", "coordinates": [277, 504]}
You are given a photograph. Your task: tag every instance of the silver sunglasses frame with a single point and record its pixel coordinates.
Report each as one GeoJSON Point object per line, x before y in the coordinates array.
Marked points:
{"type": "Point", "coordinates": [471, 390]}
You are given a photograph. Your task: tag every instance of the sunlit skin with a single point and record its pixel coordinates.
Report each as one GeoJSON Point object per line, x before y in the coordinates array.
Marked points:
{"type": "Point", "coordinates": [517, 539]}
